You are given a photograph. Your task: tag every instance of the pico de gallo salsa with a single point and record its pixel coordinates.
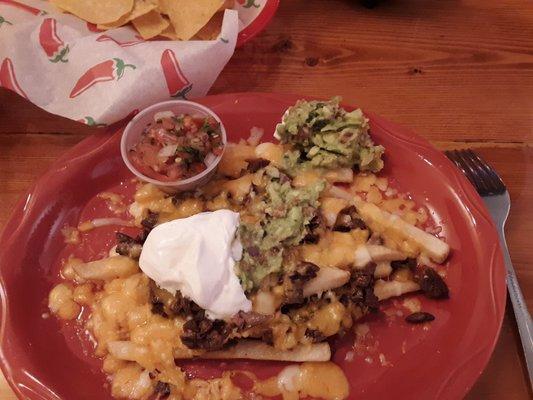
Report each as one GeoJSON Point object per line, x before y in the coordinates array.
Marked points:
{"type": "Point", "coordinates": [175, 147]}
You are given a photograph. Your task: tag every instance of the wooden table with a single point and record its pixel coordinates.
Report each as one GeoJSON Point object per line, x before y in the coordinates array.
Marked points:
{"type": "Point", "coordinates": [458, 73]}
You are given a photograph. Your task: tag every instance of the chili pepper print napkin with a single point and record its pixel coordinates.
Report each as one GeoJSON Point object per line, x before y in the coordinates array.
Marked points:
{"type": "Point", "coordinates": [67, 67]}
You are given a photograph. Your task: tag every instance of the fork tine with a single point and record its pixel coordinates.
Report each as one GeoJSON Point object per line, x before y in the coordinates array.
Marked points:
{"type": "Point", "coordinates": [469, 171]}
{"type": "Point", "coordinates": [479, 173]}
{"type": "Point", "coordinates": [480, 176]}
{"type": "Point", "coordinates": [452, 155]}
{"type": "Point", "coordinates": [487, 177]}
{"type": "Point", "coordinates": [496, 183]}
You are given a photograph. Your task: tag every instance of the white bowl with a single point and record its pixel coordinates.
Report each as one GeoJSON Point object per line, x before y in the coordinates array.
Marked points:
{"type": "Point", "coordinates": [134, 129]}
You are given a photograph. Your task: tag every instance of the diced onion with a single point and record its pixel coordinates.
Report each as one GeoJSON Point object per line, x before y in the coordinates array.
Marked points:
{"type": "Point", "coordinates": [163, 114]}
{"type": "Point", "coordinates": [99, 222]}
{"type": "Point", "coordinates": [167, 151]}
{"type": "Point", "coordinates": [255, 136]}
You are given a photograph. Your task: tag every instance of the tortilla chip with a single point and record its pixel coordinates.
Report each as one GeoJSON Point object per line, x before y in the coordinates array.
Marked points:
{"type": "Point", "coordinates": [188, 17]}
{"type": "Point", "coordinates": [212, 29]}
{"type": "Point", "coordinates": [169, 33]}
{"type": "Point", "coordinates": [227, 4]}
{"type": "Point", "coordinates": [150, 25]}
{"type": "Point", "coordinates": [96, 11]}
{"type": "Point", "coordinates": [140, 7]}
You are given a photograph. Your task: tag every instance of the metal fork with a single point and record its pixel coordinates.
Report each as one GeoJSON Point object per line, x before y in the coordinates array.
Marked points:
{"type": "Point", "coordinates": [494, 193]}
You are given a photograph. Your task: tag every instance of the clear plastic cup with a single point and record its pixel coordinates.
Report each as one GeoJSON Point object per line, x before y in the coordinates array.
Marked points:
{"type": "Point", "coordinates": [136, 126]}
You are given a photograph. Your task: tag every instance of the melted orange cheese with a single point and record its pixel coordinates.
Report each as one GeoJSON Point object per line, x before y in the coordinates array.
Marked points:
{"type": "Point", "coordinates": [335, 249]}
{"type": "Point", "coordinates": [323, 380]}
{"type": "Point", "coordinates": [328, 319]}
{"type": "Point", "coordinates": [305, 178]}
{"type": "Point", "coordinates": [234, 159]}
{"type": "Point", "coordinates": [271, 152]}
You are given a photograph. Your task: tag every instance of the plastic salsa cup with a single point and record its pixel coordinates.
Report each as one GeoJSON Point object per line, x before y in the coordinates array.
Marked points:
{"type": "Point", "coordinates": [134, 129]}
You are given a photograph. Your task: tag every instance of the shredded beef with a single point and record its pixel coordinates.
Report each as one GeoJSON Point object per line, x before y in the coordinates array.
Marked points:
{"type": "Point", "coordinates": [128, 246]}
{"type": "Point", "coordinates": [132, 247]}
{"type": "Point", "coordinates": [311, 238]}
{"type": "Point", "coordinates": [182, 306]}
{"type": "Point", "coordinates": [150, 221]}
{"type": "Point", "coordinates": [168, 305]}
{"type": "Point", "coordinates": [268, 336]}
{"type": "Point", "coordinates": [315, 335]}
{"type": "Point", "coordinates": [201, 332]}
{"type": "Point", "coordinates": [313, 227]}
{"type": "Point", "coordinates": [159, 309]}
{"type": "Point", "coordinates": [255, 164]}
{"type": "Point", "coordinates": [407, 263]}
{"type": "Point", "coordinates": [305, 271]}
{"type": "Point", "coordinates": [348, 219]}
{"type": "Point", "coordinates": [244, 320]}
{"type": "Point", "coordinates": [162, 389]}
{"type": "Point", "coordinates": [294, 281]}
{"type": "Point", "coordinates": [315, 222]}
{"type": "Point", "coordinates": [431, 284]}
{"type": "Point", "coordinates": [143, 236]}
{"type": "Point", "coordinates": [359, 289]}
{"type": "Point", "coordinates": [419, 317]}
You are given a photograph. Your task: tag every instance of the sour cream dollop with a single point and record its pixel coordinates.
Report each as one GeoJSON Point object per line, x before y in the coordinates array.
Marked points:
{"type": "Point", "coordinates": [197, 255]}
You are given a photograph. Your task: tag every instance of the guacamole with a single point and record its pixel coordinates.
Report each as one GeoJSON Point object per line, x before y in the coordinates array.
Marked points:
{"type": "Point", "coordinates": [282, 215]}
{"type": "Point", "coordinates": [325, 135]}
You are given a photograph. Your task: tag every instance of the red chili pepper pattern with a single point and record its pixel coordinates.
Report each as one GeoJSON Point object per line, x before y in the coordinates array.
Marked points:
{"type": "Point", "coordinates": [109, 70]}
{"type": "Point", "coordinates": [107, 38]}
{"type": "Point", "coordinates": [89, 121]}
{"type": "Point", "coordinates": [52, 45]}
{"type": "Point", "coordinates": [92, 27]}
{"type": "Point", "coordinates": [248, 3]}
{"type": "Point", "coordinates": [20, 6]}
{"type": "Point", "coordinates": [4, 21]}
{"type": "Point", "coordinates": [8, 79]}
{"type": "Point", "coordinates": [178, 85]}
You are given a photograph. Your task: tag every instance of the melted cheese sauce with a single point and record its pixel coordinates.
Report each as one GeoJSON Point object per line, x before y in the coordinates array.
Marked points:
{"type": "Point", "coordinates": [149, 197]}
{"type": "Point", "coordinates": [335, 249]}
{"type": "Point", "coordinates": [318, 380]}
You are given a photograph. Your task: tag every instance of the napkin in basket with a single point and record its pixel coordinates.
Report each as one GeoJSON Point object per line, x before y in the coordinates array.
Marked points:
{"type": "Point", "coordinates": [69, 68]}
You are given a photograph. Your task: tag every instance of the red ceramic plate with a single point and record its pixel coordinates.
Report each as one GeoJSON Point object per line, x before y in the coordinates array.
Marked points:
{"type": "Point", "coordinates": [259, 23]}
{"type": "Point", "coordinates": [46, 359]}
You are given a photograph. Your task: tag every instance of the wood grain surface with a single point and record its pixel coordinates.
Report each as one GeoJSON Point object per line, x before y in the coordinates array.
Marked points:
{"type": "Point", "coordinates": [458, 73]}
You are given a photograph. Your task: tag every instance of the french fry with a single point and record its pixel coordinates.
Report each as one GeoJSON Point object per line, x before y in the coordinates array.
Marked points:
{"type": "Point", "coordinates": [387, 289]}
{"type": "Point", "coordinates": [246, 349]}
{"type": "Point", "coordinates": [326, 279]}
{"type": "Point", "coordinates": [106, 268]}
{"type": "Point", "coordinates": [383, 253]}
{"type": "Point", "coordinates": [256, 350]}
{"type": "Point", "coordinates": [383, 269]}
{"type": "Point", "coordinates": [436, 249]}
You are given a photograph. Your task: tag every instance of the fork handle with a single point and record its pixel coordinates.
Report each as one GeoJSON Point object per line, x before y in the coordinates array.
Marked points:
{"type": "Point", "coordinates": [523, 318]}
